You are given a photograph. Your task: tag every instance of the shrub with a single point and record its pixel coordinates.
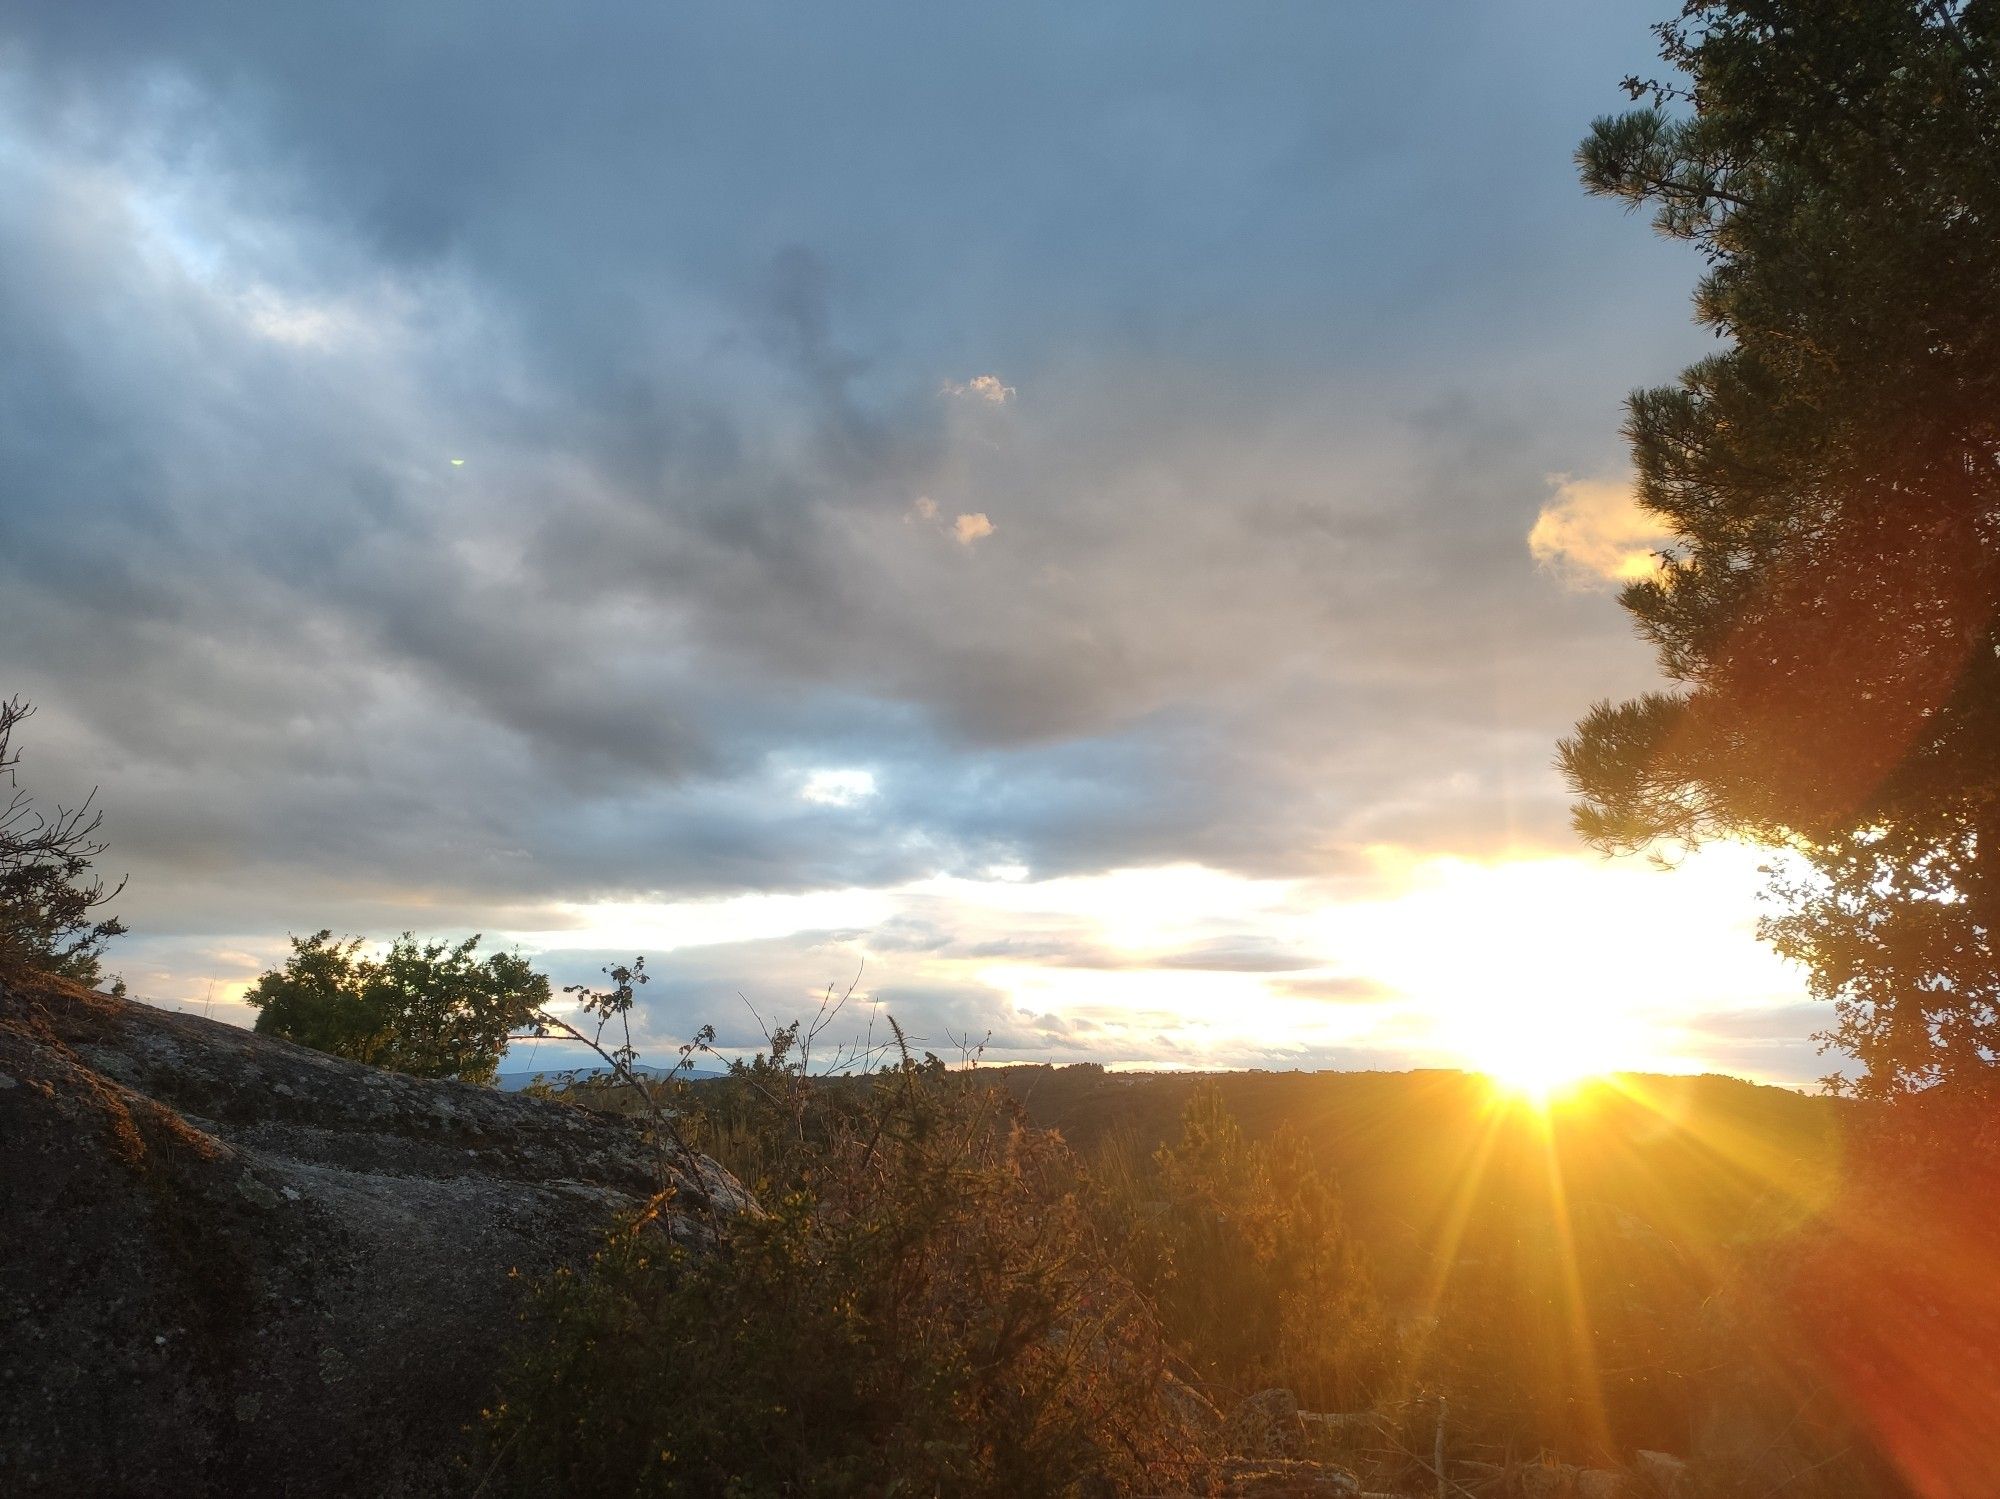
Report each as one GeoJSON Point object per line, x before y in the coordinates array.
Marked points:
{"type": "Point", "coordinates": [47, 893]}
{"type": "Point", "coordinates": [1256, 1280]}
{"type": "Point", "coordinates": [430, 1010]}
{"type": "Point", "coordinates": [926, 1307]}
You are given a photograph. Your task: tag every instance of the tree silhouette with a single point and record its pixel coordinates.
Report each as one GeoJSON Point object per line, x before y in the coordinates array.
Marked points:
{"type": "Point", "coordinates": [47, 893]}
{"type": "Point", "coordinates": [1827, 607]}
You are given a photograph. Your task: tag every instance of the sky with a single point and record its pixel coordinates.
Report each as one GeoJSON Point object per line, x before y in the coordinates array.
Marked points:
{"type": "Point", "coordinates": [1082, 522]}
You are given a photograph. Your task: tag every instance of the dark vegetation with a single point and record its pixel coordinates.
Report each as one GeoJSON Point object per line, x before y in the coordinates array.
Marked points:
{"type": "Point", "coordinates": [1431, 1261]}
{"type": "Point", "coordinates": [928, 1305]}
{"type": "Point", "coordinates": [1792, 1293]}
{"type": "Point", "coordinates": [1828, 606]}
{"type": "Point", "coordinates": [1577, 1283]}
{"type": "Point", "coordinates": [1827, 609]}
{"type": "Point", "coordinates": [47, 892]}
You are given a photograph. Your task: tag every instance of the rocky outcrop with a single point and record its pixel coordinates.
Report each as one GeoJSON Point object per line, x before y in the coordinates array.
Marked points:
{"type": "Point", "coordinates": [1664, 1475]}
{"type": "Point", "coordinates": [230, 1265]}
{"type": "Point", "coordinates": [1266, 1425]}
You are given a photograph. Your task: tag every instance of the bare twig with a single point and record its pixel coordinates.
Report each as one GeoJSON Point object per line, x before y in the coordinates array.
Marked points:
{"type": "Point", "coordinates": [1437, 1449]}
{"type": "Point", "coordinates": [616, 1003]}
{"type": "Point", "coordinates": [1787, 1482]}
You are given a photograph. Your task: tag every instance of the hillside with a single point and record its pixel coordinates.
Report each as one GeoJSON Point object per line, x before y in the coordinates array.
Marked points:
{"type": "Point", "coordinates": [1706, 1159]}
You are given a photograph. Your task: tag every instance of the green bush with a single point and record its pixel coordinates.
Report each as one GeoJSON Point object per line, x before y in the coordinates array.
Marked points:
{"type": "Point", "coordinates": [429, 1010]}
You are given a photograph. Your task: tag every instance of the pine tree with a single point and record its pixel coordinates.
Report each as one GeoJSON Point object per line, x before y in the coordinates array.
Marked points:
{"type": "Point", "coordinates": [1827, 608]}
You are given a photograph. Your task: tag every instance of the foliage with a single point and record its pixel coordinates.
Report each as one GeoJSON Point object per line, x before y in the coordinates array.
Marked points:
{"type": "Point", "coordinates": [47, 893]}
{"type": "Point", "coordinates": [1877, 1323]}
{"type": "Point", "coordinates": [1581, 1285]}
{"type": "Point", "coordinates": [430, 1009]}
{"type": "Point", "coordinates": [1256, 1282]}
{"type": "Point", "coordinates": [600, 1009]}
{"type": "Point", "coordinates": [1567, 1324]}
{"type": "Point", "coordinates": [925, 1307]}
{"type": "Point", "coordinates": [1575, 1283]}
{"type": "Point", "coordinates": [775, 1113]}
{"type": "Point", "coordinates": [1665, 1264]}
{"type": "Point", "coordinates": [1881, 922]}
{"type": "Point", "coordinates": [1830, 603]}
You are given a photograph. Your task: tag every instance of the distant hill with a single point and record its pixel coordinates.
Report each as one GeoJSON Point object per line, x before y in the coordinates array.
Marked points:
{"type": "Point", "coordinates": [1432, 1163]}
{"type": "Point", "coordinates": [558, 1077]}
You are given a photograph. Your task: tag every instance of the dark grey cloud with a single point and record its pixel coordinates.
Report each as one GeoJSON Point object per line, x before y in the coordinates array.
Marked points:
{"type": "Point", "coordinates": [1297, 313]}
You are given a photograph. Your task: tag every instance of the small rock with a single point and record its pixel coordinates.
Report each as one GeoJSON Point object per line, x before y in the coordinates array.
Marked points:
{"type": "Point", "coordinates": [1287, 1478]}
{"type": "Point", "coordinates": [257, 1192]}
{"type": "Point", "coordinates": [1667, 1474]}
{"type": "Point", "coordinates": [332, 1366]}
{"type": "Point", "coordinates": [1330, 1433]}
{"type": "Point", "coordinates": [1606, 1483]}
{"type": "Point", "coordinates": [1266, 1425]}
{"type": "Point", "coordinates": [1202, 1420]}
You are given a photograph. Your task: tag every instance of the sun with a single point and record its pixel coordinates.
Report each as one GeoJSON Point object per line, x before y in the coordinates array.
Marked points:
{"type": "Point", "coordinates": [1539, 1078]}
{"type": "Point", "coordinates": [1538, 972]}
{"type": "Point", "coordinates": [1542, 1048]}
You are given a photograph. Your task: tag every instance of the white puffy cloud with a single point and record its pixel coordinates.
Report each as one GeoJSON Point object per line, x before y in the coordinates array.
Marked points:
{"type": "Point", "coordinates": [970, 528]}
{"type": "Point", "coordinates": [1593, 532]}
{"type": "Point", "coordinates": [987, 388]}
{"type": "Point", "coordinates": [837, 788]}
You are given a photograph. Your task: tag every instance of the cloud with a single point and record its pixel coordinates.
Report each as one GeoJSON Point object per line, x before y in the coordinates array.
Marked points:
{"type": "Point", "coordinates": [1593, 532]}
{"type": "Point", "coordinates": [1338, 989]}
{"type": "Point", "coordinates": [981, 388]}
{"type": "Point", "coordinates": [966, 529]}
{"type": "Point", "coordinates": [838, 788]}
{"type": "Point", "coordinates": [1262, 606]}
{"type": "Point", "coordinates": [970, 528]}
